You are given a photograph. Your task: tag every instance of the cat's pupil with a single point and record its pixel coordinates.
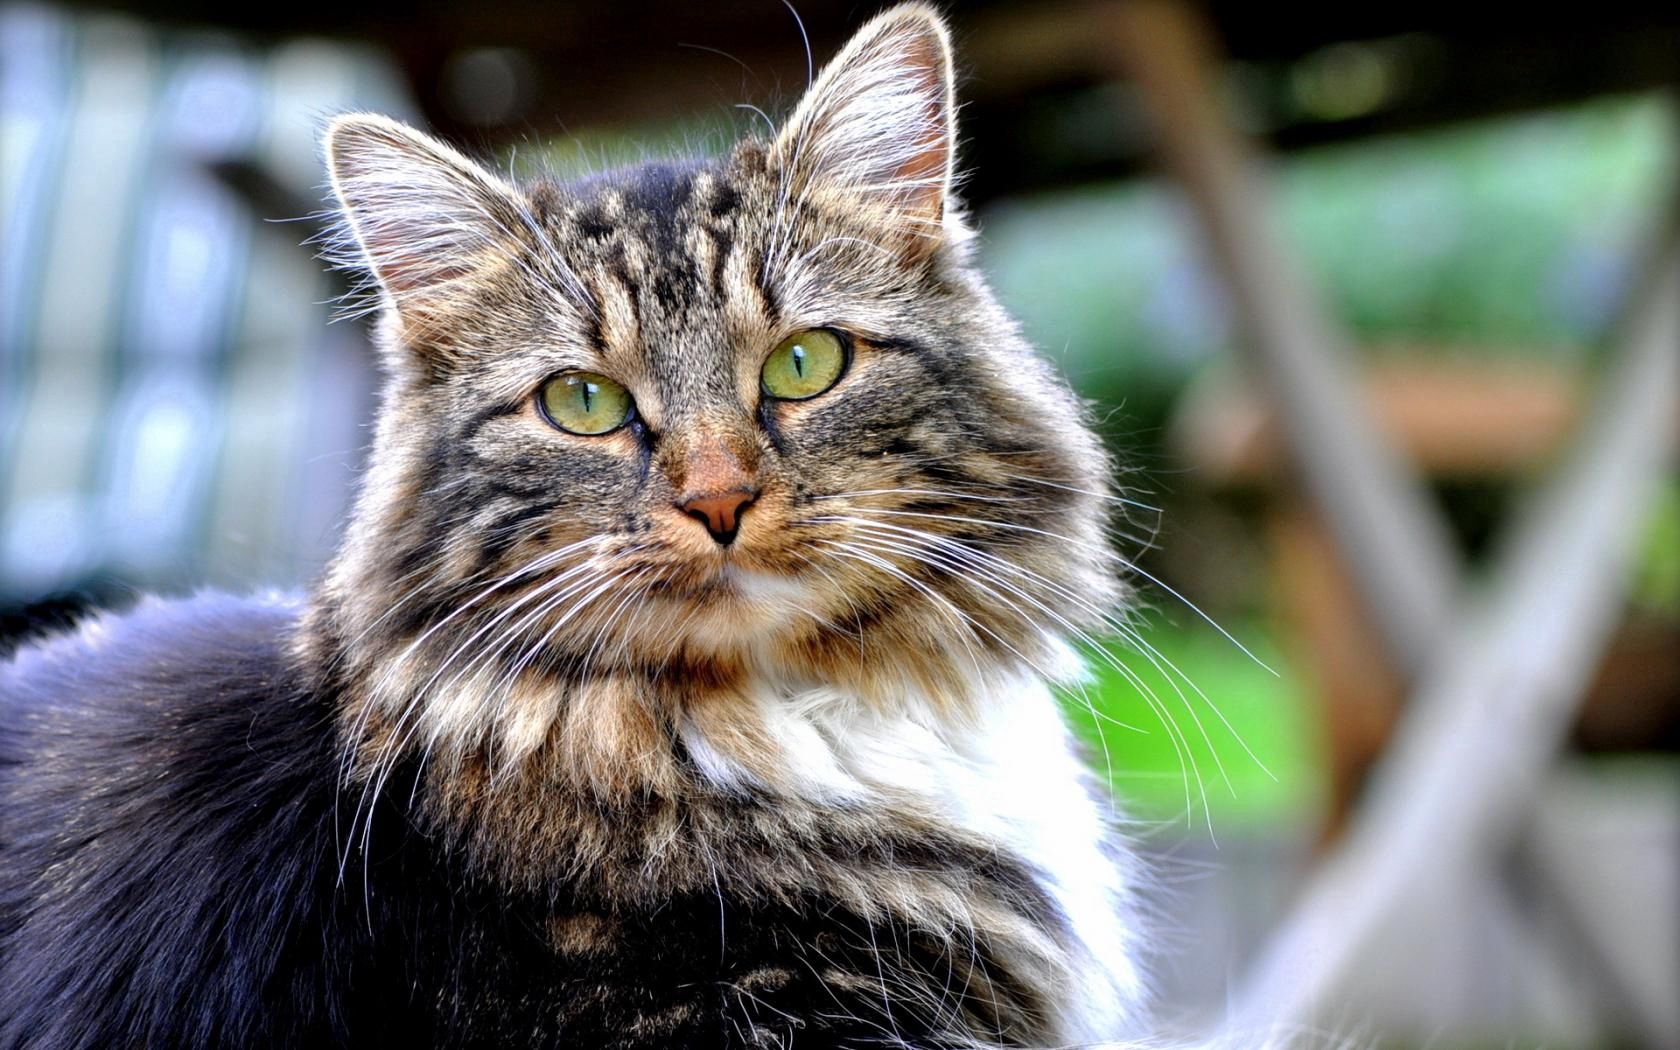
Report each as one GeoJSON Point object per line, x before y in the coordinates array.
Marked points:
{"type": "Point", "coordinates": [799, 360]}
{"type": "Point", "coordinates": [588, 393]}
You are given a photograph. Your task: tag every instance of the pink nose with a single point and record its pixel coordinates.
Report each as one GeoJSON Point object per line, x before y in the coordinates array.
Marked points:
{"type": "Point", "coordinates": [720, 512]}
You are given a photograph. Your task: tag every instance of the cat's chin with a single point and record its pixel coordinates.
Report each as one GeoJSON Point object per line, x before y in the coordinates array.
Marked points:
{"type": "Point", "coordinates": [758, 587]}
{"type": "Point", "coordinates": [739, 608]}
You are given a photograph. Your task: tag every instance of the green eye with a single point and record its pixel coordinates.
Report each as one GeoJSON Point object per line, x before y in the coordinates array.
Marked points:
{"type": "Point", "coordinates": [804, 365]}
{"type": "Point", "coordinates": [584, 403]}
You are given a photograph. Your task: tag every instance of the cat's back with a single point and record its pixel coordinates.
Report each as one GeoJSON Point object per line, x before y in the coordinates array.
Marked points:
{"type": "Point", "coordinates": [137, 706]}
{"type": "Point", "coordinates": [165, 827]}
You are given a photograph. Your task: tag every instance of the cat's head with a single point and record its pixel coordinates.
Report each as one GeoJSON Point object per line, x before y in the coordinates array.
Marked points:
{"type": "Point", "coordinates": [689, 421]}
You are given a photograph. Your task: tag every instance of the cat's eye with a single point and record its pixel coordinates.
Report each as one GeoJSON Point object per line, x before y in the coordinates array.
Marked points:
{"type": "Point", "coordinates": [804, 365]}
{"type": "Point", "coordinates": [584, 403]}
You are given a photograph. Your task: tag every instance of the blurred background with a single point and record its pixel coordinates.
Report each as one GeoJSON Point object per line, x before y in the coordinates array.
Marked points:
{"type": "Point", "coordinates": [1462, 219]}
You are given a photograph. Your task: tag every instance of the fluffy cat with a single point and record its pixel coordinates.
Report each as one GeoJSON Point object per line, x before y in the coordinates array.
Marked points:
{"type": "Point", "coordinates": [684, 678]}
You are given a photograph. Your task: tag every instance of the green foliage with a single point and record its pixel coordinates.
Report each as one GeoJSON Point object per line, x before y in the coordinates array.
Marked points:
{"type": "Point", "coordinates": [1510, 236]}
{"type": "Point", "coordinates": [1656, 587]}
{"type": "Point", "coordinates": [1515, 236]}
{"type": "Point", "coordinates": [1256, 756]}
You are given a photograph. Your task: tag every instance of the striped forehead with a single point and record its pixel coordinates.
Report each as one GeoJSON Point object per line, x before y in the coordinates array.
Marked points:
{"type": "Point", "coordinates": [664, 253]}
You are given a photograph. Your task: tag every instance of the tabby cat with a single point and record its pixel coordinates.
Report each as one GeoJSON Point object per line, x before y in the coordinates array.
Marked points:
{"type": "Point", "coordinates": [684, 678]}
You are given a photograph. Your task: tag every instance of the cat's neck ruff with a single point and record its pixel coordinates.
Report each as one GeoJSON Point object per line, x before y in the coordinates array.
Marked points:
{"type": "Point", "coordinates": [1004, 771]}
{"type": "Point", "coordinates": [999, 771]}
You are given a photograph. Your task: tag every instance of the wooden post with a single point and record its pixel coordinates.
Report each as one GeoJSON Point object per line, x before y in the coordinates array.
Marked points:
{"type": "Point", "coordinates": [1394, 538]}
{"type": "Point", "coordinates": [1485, 723]}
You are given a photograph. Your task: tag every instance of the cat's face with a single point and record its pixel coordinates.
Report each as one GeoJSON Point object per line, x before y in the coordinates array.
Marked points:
{"type": "Point", "coordinates": [755, 412]}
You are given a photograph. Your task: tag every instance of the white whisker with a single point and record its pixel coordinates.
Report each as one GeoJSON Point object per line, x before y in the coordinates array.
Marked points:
{"type": "Point", "coordinates": [1087, 546]}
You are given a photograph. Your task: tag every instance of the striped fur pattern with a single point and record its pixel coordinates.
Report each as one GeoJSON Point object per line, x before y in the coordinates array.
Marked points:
{"type": "Point", "coordinates": [631, 786]}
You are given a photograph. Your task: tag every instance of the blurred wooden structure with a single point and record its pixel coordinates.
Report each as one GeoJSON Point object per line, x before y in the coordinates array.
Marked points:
{"type": "Point", "coordinates": [1457, 420]}
{"type": "Point", "coordinates": [1495, 672]}
{"type": "Point", "coordinates": [1040, 100]}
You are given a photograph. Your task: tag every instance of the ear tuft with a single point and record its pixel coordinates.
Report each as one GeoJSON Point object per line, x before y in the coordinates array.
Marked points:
{"type": "Point", "coordinates": [879, 123]}
{"type": "Point", "coordinates": [419, 213]}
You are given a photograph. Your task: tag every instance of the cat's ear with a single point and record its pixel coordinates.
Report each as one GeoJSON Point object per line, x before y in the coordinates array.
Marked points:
{"type": "Point", "coordinates": [880, 122]}
{"type": "Point", "coordinates": [421, 214]}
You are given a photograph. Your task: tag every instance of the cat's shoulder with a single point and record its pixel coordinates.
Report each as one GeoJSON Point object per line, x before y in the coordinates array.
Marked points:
{"type": "Point", "coordinates": [168, 696]}
{"type": "Point", "coordinates": [165, 827]}
{"type": "Point", "coordinates": [210, 636]}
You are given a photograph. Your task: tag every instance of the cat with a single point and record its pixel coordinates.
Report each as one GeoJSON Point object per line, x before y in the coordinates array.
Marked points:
{"type": "Point", "coordinates": [684, 677]}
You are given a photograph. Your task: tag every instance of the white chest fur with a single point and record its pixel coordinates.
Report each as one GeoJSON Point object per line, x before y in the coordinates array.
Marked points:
{"type": "Point", "coordinates": [1008, 775]}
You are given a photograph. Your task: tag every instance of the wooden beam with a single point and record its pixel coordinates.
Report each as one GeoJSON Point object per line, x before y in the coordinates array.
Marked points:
{"type": "Point", "coordinates": [1395, 539]}
{"type": "Point", "coordinates": [1485, 723]}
